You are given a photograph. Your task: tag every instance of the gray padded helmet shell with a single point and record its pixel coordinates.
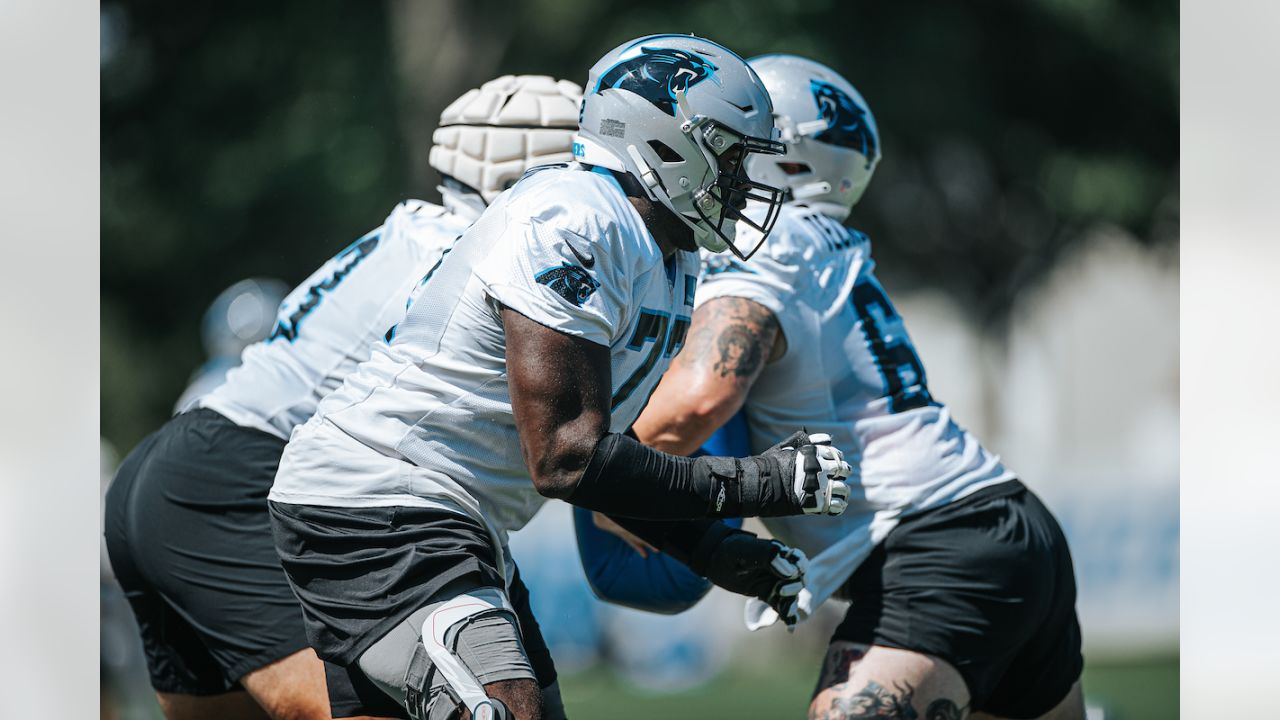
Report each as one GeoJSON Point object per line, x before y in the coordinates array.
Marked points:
{"type": "Point", "coordinates": [826, 125]}
{"type": "Point", "coordinates": [663, 109]}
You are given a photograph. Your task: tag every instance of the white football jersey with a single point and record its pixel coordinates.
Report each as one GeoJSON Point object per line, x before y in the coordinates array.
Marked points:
{"type": "Point", "coordinates": [427, 421]}
{"type": "Point", "coordinates": [330, 322]}
{"type": "Point", "coordinates": [850, 370]}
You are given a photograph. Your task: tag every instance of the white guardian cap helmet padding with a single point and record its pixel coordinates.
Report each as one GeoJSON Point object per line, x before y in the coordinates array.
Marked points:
{"type": "Point", "coordinates": [832, 141]}
{"type": "Point", "coordinates": [491, 135]}
{"type": "Point", "coordinates": [682, 114]}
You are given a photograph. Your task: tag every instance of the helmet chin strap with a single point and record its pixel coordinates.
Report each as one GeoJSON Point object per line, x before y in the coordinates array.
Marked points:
{"type": "Point", "coordinates": [703, 234]}
{"type": "Point", "coordinates": [647, 175]}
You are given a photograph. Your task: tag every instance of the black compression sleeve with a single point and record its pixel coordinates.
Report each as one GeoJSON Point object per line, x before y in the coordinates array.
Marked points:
{"type": "Point", "coordinates": [689, 541]}
{"type": "Point", "coordinates": [627, 479]}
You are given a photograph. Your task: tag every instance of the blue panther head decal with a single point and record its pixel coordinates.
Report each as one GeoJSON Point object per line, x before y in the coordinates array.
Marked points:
{"type": "Point", "coordinates": [846, 120]}
{"type": "Point", "coordinates": [656, 74]}
{"type": "Point", "coordinates": [570, 282]}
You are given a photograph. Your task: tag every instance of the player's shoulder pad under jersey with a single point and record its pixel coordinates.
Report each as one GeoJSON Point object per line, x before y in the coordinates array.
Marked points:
{"type": "Point", "coordinates": [587, 213]}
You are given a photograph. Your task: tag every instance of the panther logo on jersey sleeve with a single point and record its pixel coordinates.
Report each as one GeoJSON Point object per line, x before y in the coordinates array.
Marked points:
{"type": "Point", "coordinates": [657, 74]}
{"type": "Point", "coordinates": [846, 120]}
{"type": "Point", "coordinates": [570, 282]}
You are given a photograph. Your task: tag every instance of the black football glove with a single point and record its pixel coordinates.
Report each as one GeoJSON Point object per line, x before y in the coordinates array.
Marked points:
{"type": "Point", "coordinates": [819, 470]}
{"type": "Point", "coordinates": [748, 565]}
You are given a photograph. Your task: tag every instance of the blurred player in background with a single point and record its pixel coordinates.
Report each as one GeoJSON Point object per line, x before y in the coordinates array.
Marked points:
{"type": "Point", "coordinates": [187, 528]}
{"type": "Point", "coordinates": [240, 316]}
{"type": "Point", "coordinates": [962, 589]}
{"type": "Point", "coordinates": [513, 377]}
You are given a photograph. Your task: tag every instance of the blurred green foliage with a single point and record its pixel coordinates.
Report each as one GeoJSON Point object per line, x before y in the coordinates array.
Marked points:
{"type": "Point", "coordinates": [256, 139]}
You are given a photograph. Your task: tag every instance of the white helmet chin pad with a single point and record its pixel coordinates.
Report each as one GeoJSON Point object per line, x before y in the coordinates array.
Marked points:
{"type": "Point", "coordinates": [833, 144]}
{"type": "Point", "coordinates": [682, 115]}
{"type": "Point", "coordinates": [491, 135]}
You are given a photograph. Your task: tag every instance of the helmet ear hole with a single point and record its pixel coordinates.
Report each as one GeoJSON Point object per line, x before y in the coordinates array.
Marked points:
{"type": "Point", "coordinates": [665, 152]}
{"type": "Point", "coordinates": [794, 168]}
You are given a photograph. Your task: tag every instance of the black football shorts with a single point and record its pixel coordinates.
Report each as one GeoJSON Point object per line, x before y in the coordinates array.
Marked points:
{"type": "Point", "coordinates": [190, 541]}
{"type": "Point", "coordinates": [985, 583]}
{"type": "Point", "coordinates": [360, 572]}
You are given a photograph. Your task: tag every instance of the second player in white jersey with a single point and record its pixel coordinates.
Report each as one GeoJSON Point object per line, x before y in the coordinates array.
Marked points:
{"type": "Point", "coordinates": [330, 322]}
{"type": "Point", "coordinates": [566, 249]}
{"type": "Point", "coordinates": [859, 380]}
{"type": "Point", "coordinates": [960, 580]}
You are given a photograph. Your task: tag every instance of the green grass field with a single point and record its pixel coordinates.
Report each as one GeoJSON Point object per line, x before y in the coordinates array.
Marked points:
{"type": "Point", "coordinates": [1145, 689]}
{"type": "Point", "coordinates": [1140, 689]}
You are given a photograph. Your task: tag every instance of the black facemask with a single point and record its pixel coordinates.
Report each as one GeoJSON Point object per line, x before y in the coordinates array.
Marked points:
{"type": "Point", "coordinates": [733, 189]}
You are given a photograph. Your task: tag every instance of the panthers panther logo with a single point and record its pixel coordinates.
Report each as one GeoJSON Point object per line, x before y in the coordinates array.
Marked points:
{"type": "Point", "coordinates": [570, 282]}
{"type": "Point", "coordinates": [846, 120]}
{"type": "Point", "coordinates": [656, 74]}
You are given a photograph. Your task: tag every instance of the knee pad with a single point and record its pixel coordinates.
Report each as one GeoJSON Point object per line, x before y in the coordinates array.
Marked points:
{"type": "Point", "coordinates": [441, 631]}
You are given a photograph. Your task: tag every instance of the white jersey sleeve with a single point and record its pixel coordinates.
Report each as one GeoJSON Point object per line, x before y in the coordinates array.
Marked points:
{"type": "Point", "coordinates": [327, 325]}
{"type": "Point", "coordinates": [563, 269]}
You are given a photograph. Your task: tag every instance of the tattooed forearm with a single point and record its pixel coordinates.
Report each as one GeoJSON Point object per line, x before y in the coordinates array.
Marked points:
{"type": "Point", "coordinates": [730, 337]}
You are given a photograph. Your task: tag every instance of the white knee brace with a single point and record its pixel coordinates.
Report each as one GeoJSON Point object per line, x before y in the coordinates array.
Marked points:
{"type": "Point", "coordinates": [435, 631]}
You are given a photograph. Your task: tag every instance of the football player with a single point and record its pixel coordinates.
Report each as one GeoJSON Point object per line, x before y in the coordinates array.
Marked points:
{"type": "Point", "coordinates": [962, 588]}
{"type": "Point", "coordinates": [513, 378]}
{"type": "Point", "coordinates": [186, 525]}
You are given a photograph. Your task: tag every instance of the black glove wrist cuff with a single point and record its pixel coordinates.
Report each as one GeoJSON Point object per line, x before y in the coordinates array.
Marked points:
{"type": "Point", "coordinates": [707, 546]}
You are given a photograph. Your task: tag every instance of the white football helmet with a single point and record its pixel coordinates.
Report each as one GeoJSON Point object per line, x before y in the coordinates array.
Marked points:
{"type": "Point", "coordinates": [241, 315]}
{"type": "Point", "coordinates": [831, 137]}
{"type": "Point", "coordinates": [491, 135]}
{"type": "Point", "coordinates": [682, 115]}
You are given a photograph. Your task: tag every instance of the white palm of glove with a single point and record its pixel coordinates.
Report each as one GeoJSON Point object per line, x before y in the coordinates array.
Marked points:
{"type": "Point", "coordinates": [758, 614]}
{"type": "Point", "coordinates": [820, 473]}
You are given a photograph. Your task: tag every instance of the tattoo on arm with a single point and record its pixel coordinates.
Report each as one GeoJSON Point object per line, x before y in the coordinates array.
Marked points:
{"type": "Point", "coordinates": [874, 702]}
{"type": "Point", "coordinates": [730, 337]}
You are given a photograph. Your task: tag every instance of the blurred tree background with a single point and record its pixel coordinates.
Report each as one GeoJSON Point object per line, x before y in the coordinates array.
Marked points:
{"type": "Point", "coordinates": [256, 139]}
